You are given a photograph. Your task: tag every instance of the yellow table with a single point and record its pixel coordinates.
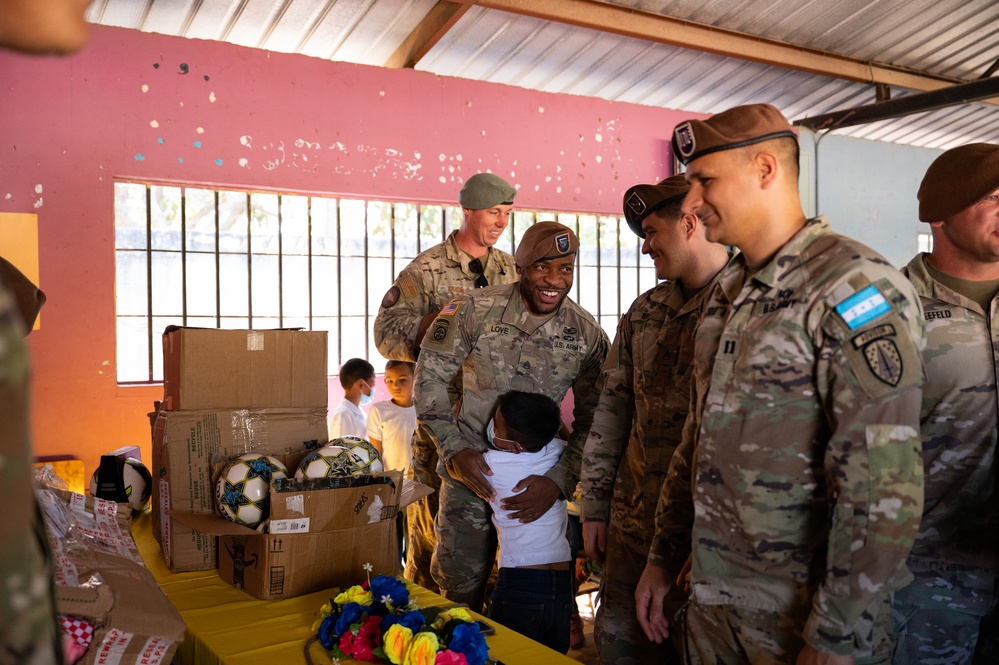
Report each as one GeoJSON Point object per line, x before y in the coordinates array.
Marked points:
{"type": "Point", "coordinates": [228, 626]}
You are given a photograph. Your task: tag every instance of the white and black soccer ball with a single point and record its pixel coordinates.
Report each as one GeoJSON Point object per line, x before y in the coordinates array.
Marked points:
{"type": "Point", "coordinates": [122, 480]}
{"type": "Point", "coordinates": [345, 456]}
{"type": "Point", "coordinates": [243, 488]}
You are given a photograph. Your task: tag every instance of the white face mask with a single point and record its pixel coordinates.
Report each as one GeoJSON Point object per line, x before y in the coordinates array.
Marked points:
{"type": "Point", "coordinates": [490, 431]}
{"type": "Point", "coordinates": [367, 398]}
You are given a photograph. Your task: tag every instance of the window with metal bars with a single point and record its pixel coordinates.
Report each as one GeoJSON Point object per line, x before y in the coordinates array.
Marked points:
{"type": "Point", "coordinates": [222, 258]}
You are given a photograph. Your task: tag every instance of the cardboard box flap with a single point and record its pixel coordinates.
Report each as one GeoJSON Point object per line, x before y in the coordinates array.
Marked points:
{"type": "Point", "coordinates": [331, 504]}
{"type": "Point", "coordinates": [93, 602]}
{"type": "Point", "coordinates": [413, 491]}
{"type": "Point", "coordinates": [212, 524]}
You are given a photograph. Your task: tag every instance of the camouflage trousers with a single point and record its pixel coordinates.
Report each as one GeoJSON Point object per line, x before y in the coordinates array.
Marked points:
{"type": "Point", "coordinates": [934, 627]}
{"type": "Point", "coordinates": [732, 635]}
{"type": "Point", "coordinates": [619, 637]}
{"type": "Point", "coordinates": [466, 544]}
{"type": "Point", "coordinates": [420, 515]}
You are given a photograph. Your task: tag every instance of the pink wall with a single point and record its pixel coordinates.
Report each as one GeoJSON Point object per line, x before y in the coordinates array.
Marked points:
{"type": "Point", "coordinates": [241, 117]}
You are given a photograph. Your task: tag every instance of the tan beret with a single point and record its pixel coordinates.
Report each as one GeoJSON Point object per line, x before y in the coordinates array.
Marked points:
{"type": "Point", "coordinates": [734, 128]}
{"type": "Point", "coordinates": [642, 200]}
{"type": "Point", "coordinates": [543, 241]}
{"type": "Point", "coordinates": [958, 179]}
{"type": "Point", "coordinates": [485, 190]}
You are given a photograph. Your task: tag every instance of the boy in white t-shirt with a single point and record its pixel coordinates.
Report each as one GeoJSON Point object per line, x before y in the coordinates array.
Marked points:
{"type": "Point", "coordinates": [357, 377]}
{"type": "Point", "coordinates": [533, 594]}
{"type": "Point", "coordinates": [390, 429]}
{"type": "Point", "coordinates": [391, 423]}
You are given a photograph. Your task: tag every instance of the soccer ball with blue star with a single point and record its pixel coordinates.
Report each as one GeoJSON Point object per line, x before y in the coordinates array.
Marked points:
{"type": "Point", "coordinates": [244, 485]}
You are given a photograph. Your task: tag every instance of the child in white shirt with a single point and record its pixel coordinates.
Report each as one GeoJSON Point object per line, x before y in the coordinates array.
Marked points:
{"type": "Point", "coordinates": [533, 594]}
{"type": "Point", "coordinates": [391, 423]}
{"type": "Point", "coordinates": [357, 377]}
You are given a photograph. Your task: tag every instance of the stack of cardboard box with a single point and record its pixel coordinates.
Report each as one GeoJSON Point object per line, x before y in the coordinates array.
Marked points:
{"type": "Point", "coordinates": [228, 392]}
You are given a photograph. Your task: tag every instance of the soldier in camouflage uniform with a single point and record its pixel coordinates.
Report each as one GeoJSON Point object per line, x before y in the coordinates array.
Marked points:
{"type": "Point", "coordinates": [527, 336]}
{"type": "Point", "coordinates": [798, 471]}
{"type": "Point", "coordinates": [28, 629]}
{"type": "Point", "coordinates": [956, 557]}
{"type": "Point", "coordinates": [464, 261]}
{"type": "Point", "coordinates": [643, 404]}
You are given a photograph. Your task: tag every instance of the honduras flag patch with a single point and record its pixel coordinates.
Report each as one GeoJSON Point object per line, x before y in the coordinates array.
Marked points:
{"type": "Point", "coordinates": [862, 307]}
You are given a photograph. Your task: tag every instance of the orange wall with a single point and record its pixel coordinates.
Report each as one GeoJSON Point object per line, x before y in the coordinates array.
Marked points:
{"type": "Point", "coordinates": [146, 106]}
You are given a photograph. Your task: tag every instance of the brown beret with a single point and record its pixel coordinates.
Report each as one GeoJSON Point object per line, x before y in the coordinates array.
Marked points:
{"type": "Point", "coordinates": [958, 179]}
{"type": "Point", "coordinates": [545, 240]}
{"type": "Point", "coordinates": [734, 128]}
{"type": "Point", "coordinates": [485, 190]}
{"type": "Point", "coordinates": [642, 200]}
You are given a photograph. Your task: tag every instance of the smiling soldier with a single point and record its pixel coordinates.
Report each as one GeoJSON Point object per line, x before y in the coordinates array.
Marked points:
{"type": "Point", "coordinates": [530, 337]}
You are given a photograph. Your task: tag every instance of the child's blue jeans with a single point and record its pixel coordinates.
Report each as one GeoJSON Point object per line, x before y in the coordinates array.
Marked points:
{"type": "Point", "coordinates": [536, 603]}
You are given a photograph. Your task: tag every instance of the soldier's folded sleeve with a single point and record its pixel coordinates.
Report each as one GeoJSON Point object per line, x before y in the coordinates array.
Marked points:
{"type": "Point", "coordinates": [870, 378]}
{"type": "Point", "coordinates": [586, 395]}
{"type": "Point", "coordinates": [610, 430]}
{"type": "Point", "coordinates": [402, 309]}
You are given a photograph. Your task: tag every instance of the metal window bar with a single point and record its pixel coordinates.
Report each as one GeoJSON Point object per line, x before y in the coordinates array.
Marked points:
{"type": "Point", "coordinates": [218, 262]}
{"type": "Point", "coordinates": [529, 216]}
{"type": "Point", "coordinates": [308, 215]}
{"type": "Point", "coordinates": [149, 281]}
{"type": "Point", "coordinates": [249, 261]}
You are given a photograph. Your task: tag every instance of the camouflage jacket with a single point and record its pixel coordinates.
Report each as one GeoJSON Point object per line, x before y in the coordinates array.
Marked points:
{"type": "Point", "coordinates": [499, 346]}
{"type": "Point", "coordinates": [958, 428]}
{"type": "Point", "coordinates": [805, 465]}
{"type": "Point", "coordinates": [28, 628]}
{"type": "Point", "coordinates": [428, 283]}
{"type": "Point", "coordinates": [643, 404]}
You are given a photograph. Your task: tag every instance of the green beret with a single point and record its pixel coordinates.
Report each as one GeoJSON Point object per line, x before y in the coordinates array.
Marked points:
{"type": "Point", "coordinates": [543, 241]}
{"type": "Point", "coordinates": [485, 190]}
{"type": "Point", "coordinates": [734, 128]}
{"type": "Point", "coordinates": [642, 200]}
{"type": "Point", "coordinates": [958, 179]}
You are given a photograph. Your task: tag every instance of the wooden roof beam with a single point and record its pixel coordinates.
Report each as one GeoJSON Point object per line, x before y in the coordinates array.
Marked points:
{"type": "Point", "coordinates": [653, 27]}
{"type": "Point", "coordinates": [430, 30]}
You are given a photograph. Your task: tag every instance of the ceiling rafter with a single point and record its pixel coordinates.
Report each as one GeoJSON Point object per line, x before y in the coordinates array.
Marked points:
{"type": "Point", "coordinates": [430, 30]}
{"type": "Point", "coordinates": [620, 20]}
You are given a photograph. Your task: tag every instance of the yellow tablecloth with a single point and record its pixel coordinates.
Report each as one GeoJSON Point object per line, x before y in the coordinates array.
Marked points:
{"type": "Point", "coordinates": [228, 626]}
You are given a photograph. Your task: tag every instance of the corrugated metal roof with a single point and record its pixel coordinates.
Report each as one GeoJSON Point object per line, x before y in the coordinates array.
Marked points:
{"type": "Point", "coordinates": [957, 39]}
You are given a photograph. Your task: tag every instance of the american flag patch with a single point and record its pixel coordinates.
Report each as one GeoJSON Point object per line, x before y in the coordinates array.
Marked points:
{"type": "Point", "coordinates": [449, 309]}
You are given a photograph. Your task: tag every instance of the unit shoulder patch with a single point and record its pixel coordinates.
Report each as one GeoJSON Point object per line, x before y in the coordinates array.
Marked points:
{"type": "Point", "coordinates": [883, 358]}
{"type": "Point", "coordinates": [391, 297]}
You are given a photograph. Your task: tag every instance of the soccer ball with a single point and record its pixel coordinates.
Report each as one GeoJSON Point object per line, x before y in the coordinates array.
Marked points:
{"type": "Point", "coordinates": [346, 456]}
{"type": "Point", "coordinates": [363, 450]}
{"type": "Point", "coordinates": [133, 486]}
{"type": "Point", "coordinates": [243, 487]}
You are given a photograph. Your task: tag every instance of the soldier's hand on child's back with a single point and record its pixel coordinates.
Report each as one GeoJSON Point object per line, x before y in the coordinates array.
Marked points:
{"type": "Point", "coordinates": [535, 495]}
{"type": "Point", "coordinates": [469, 467]}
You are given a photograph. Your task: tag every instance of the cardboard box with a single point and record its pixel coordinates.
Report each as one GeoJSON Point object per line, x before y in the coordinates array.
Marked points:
{"type": "Point", "coordinates": [100, 577]}
{"type": "Point", "coordinates": [188, 447]}
{"type": "Point", "coordinates": [210, 369]}
{"type": "Point", "coordinates": [323, 531]}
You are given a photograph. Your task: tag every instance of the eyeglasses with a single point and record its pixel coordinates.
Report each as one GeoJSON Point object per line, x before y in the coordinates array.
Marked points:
{"type": "Point", "coordinates": [475, 265]}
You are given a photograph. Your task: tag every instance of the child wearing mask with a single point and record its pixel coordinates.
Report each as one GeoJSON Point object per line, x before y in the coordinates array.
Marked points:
{"type": "Point", "coordinates": [533, 594]}
{"type": "Point", "coordinates": [357, 377]}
